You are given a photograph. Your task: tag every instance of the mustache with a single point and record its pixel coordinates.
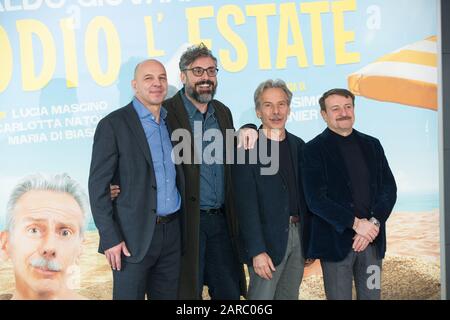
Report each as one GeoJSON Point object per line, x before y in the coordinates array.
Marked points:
{"type": "Point", "coordinates": [209, 82]}
{"type": "Point", "coordinates": [43, 263]}
{"type": "Point", "coordinates": [344, 118]}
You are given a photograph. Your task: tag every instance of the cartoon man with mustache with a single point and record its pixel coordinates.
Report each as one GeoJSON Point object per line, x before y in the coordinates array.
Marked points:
{"type": "Point", "coordinates": [44, 236]}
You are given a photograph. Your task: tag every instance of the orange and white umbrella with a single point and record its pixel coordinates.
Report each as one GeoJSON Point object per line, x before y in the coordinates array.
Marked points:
{"type": "Point", "coordinates": [406, 76]}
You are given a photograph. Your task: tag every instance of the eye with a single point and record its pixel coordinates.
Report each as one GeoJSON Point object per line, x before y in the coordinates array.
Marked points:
{"type": "Point", "coordinates": [66, 232]}
{"type": "Point", "coordinates": [197, 71]}
{"type": "Point", "coordinates": [33, 231]}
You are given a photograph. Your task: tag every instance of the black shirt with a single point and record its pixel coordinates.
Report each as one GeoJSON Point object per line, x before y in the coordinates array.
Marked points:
{"type": "Point", "coordinates": [287, 172]}
{"type": "Point", "coordinates": [358, 172]}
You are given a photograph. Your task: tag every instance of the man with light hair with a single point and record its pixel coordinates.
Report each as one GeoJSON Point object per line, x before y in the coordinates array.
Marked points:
{"type": "Point", "coordinates": [45, 222]}
{"type": "Point", "coordinates": [273, 215]}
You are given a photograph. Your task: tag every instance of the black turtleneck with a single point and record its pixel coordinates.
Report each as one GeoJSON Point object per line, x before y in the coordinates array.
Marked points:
{"type": "Point", "coordinates": [357, 170]}
{"type": "Point", "coordinates": [287, 171]}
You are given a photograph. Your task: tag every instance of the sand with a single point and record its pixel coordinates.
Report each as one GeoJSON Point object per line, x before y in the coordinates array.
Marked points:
{"type": "Point", "coordinates": [410, 270]}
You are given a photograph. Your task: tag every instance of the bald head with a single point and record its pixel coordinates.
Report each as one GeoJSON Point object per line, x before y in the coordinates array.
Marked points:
{"type": "Point", "coordinates": [146, 62]}
{"type": "Point", "coordinates": [150, 83]}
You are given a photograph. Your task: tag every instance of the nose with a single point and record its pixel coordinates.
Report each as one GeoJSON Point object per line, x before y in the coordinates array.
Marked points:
{"type": "Point", "coordinates": [204, 76]}
{"type": "Point", "coordinates": [48, 249]}
{"type": "Point", "coordinates": [157, 83]}
{"type": "Point", "coordinates": [275, 110]}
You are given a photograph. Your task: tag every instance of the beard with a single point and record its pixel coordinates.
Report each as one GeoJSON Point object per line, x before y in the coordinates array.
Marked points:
{"type": "Point", "coordinates": [201, 97]}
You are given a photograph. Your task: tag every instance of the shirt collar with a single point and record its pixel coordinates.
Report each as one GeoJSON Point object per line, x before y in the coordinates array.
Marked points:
{"type": "Point", "coordinates": [143, 112]}
{"type": "Point", "coordinates": [191, 109]}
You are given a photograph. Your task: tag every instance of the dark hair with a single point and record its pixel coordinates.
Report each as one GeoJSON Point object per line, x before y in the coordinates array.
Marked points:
{"type": "Point", "coordinates": [193, 53]}
{"type": "Point", "coordinates": [340, 92]}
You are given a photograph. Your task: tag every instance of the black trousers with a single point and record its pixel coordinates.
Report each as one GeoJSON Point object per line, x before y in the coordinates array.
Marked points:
{"type": "Point", "coordinates": [219, 266]}
{"type": "Point", "coordinates": [157, 275]}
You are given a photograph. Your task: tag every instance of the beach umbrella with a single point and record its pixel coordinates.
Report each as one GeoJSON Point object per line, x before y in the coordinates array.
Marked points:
{"type": "Point", "coordinates": [406, 76]}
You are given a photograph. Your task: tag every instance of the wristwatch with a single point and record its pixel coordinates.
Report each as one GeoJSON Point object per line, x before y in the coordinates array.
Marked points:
{"type": "Point", "coordinates": [375, 221]}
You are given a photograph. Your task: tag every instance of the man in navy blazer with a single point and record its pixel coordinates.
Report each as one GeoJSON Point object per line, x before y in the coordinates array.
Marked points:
{"type": "Point", "coordinates": [140, 231]}
{"type": "Point", "coordinates": [350, 191]}
{"type": "Point", "coordinates": [273, 217]}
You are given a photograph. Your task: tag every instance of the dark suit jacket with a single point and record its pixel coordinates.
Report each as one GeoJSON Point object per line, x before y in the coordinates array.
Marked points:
{"type": "Point", "coordinates": [121, 154]}
{"type": "Point", "coordinates": [329, 196]}
{"type": "Point", "coordinates": [262, 204]}
{"type": "Point", "coordinates": [178, 118]}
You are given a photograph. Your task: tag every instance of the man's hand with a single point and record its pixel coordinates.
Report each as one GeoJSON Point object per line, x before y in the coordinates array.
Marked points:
{"type": "Point", "coordinates": [365, 228]}
{"type": "Point", "coordinates": [263, 266]}
{"type": "Point", "coordinates": [359, 243]}
{"type": "Point", "coordinates": [113, 255]}
{"type": "Point", "coordinates": [115, 190]}
{"type": "Point", "coordinates": [247, 138]}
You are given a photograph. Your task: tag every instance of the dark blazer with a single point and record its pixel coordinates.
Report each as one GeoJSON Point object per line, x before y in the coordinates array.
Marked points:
{"type": "Point", "coordinates": [262, 204]}
{"type": "Point", "coordinates": [178, 118]}
{"type": "Point", "coordinates": [121, 154]}
{"type": "Point", "coordinates": [329, 197]}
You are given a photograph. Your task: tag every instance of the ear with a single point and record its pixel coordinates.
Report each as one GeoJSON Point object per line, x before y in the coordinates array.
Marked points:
{"type": "Point", "coordinates": [183, 77]}
{"type": "Point", "coordinates": [324, 115]}
{"type": "Point", "coordinates": [4, 245]}
{"type": "Point", "coordinates": [258, 113]}
{"type": "Point", "coordinates": [133, 85]}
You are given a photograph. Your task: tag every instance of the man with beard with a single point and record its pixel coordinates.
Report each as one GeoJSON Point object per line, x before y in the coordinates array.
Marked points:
{"type": "Point", "coordinates": [211, 253]}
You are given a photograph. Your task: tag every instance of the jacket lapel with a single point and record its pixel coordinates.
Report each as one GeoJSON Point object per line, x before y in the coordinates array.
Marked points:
{"type": "Point", "coordinates": [136, 128]}
{"type": "Point", "coordinates": [178, 118]}
{"type": "Point", "coordinates": [180, 114]}
{"type": "Point", "coordinates": [294, 154]}
{"type": "Point", "coordinates": [369, 155]}
{"type": "Point", "coordinates": [221, 119]}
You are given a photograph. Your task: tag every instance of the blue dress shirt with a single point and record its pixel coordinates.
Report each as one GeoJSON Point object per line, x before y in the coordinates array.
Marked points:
{"type": "Point", "coordinates": [212, 178]}
{"type": "Point", "coordinates": [158, 139]}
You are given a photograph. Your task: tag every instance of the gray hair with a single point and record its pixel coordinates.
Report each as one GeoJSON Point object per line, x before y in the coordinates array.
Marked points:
{"type": "Point", "coordinates": [278, 83]}
{"type": "Point", "coordinates": [193, 53]}
{"type": "Point", "coordinates": [58, 182]}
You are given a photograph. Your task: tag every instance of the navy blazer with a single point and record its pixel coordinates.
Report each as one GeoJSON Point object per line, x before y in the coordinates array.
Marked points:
{"type": "Point", "coordinates": [121, 154]}
{"type": "Point", "coordinates": [262, 206]}
{"type": "Point", "coordinates": [328, 194]}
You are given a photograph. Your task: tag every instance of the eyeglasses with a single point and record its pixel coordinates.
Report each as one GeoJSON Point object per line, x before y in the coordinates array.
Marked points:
{"type": "Point", "coordinates": [198, 71]}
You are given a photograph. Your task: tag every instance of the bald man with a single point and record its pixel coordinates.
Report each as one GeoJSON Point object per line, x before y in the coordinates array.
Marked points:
{"type": "Point", "coordinates": [140, 231]}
